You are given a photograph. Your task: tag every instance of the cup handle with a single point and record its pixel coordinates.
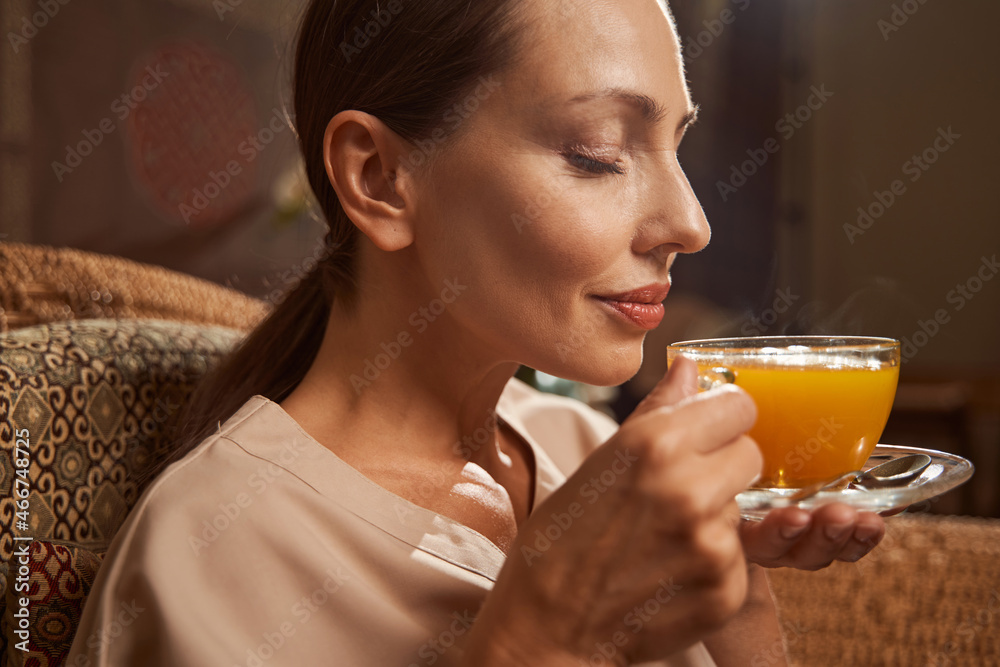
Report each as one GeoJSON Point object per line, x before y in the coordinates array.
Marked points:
{"type": "Point", "coordinates": [715, 377]}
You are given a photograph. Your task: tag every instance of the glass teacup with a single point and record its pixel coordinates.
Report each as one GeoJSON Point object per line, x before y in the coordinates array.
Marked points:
{"type": "Point", "coordinates": [822, 401]}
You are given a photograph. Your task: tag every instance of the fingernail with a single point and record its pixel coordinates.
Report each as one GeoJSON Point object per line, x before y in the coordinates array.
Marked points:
{"type": "Point", "coordinates": [791, 532]}
{"type": "Point", "coordinates": [836, 531]}
{"type": "Point", "coordinates": [866, 534]}
{"type": "Point", "coordinates": [852, 557]}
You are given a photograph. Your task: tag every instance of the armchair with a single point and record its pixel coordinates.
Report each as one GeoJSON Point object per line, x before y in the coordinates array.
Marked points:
{"type": "Point", "coordinates": [95, 397]}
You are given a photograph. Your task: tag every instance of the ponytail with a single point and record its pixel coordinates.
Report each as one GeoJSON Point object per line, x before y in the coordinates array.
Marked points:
{"type": "Point", "coordinates": [426, 59]}
{"type": "Point", "coordinates": [271, 361]}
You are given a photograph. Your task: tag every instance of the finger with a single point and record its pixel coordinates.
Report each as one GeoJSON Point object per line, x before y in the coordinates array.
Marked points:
{"type": "Point", "coordinates": [679, 382]}
{"type": "Point", "coordinates": [868, 532]}
{"type": "Point", "coordinates": [696, 552]}
{"type": "Point", "coordinates": [703, 485]}
{"type": "Point", "coordinates": [700, 423]}
{"type": "Point", "coordinates": [738, 464]}
{"type": "Point", "coordinates": [832, 527]}
{"type": "Point", "coordinates": [731, 514]}
{"type": "Point", "coordinates": [767, 542]}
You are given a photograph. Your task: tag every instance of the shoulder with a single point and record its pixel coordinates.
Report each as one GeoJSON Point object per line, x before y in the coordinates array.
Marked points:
{"type": "Point", "coordinates": [196, 502]}
{"type": "Point", "coordinates": [189, 534]}
{"type": "Point", "coordinates": [567, 429]}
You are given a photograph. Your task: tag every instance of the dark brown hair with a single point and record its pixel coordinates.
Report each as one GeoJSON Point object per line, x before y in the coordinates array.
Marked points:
{"type": "Point", "coordinates": [406, 62]}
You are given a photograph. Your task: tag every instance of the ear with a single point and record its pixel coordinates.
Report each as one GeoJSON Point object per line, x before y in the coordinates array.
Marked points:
{"type": "Point", "coordinates": [363, 159]}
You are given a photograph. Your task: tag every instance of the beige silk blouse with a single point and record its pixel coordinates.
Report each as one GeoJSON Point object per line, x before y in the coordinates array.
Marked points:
{"type": "Point", "coordinates": [262, 547]}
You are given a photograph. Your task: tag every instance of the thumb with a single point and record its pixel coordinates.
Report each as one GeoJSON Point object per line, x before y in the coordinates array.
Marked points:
{"type": "Point", "coordinates": [679, 382]}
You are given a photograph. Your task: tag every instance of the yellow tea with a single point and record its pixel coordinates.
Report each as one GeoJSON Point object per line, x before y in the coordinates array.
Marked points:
{"type": "Point", "coordinates": [815, 423]}
{"type": "Point", "coordinates": [822, 401]}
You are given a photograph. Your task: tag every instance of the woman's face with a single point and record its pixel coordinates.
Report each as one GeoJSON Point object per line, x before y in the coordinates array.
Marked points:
{"type": "Point", "coordinates": [562, 192]}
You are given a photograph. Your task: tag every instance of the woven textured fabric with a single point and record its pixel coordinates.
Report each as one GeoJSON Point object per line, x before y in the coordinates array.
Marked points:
{"type": "Point", "coordinates": [40, 284]}
{"type": "Point", "coordinates": [95, 398]}
{"type": "Point", "coordinates": [928, 595]}
{"type": "Point", "coordinates": [60, 578]}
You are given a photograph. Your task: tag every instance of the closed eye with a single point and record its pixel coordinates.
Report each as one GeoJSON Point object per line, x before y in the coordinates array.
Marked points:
{"type": "Point", "coordinates": [594, 166]}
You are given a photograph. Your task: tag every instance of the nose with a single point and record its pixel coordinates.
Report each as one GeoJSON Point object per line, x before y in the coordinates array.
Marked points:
{"type": "Point", "coordinates": [674, 221]}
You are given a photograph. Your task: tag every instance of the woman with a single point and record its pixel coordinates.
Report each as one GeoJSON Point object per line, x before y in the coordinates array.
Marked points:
{"type": "Point", "coordinates": [365, 483]}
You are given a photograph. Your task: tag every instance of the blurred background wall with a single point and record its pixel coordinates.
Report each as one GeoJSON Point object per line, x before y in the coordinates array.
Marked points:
{"type": "Point", "coordinates": [845, 156]}
{"type": "Point", "coordinates": [156, 131]}
{"type": "Point", "coordinates": [873, 209]}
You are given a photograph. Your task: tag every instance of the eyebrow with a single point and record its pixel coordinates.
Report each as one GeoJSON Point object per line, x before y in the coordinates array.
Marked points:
{"type": "Point", "coordinates": [652, 111]}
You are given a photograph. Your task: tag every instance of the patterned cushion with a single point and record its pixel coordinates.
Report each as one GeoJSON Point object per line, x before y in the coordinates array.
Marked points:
{"type": "Point", "coordinates": [60, 577]}
{"type": "Point", "coordinates": [95, 398]}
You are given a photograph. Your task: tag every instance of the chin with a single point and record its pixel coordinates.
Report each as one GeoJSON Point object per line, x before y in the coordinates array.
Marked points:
{"type": "Point", "coordinates": [602, 368]}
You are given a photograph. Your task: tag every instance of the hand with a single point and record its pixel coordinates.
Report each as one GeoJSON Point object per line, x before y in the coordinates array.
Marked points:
{"type": "Point", "coordinates": [637, 555]}
{"type": "Point", "coordinates": [793, 537]}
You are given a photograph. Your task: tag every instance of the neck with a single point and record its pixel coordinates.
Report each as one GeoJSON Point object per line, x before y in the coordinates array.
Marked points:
{"type": "Point", "coordinates": [399, 374]}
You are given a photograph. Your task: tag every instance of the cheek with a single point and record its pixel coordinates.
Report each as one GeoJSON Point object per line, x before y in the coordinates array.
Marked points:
{"type": "Point", "coordinates": [574, 236]}
{"type": "Point", "coordinates": [532, 242]}
{"type": "Point", "coordinates": [554, 226]}
{"type": "Point", "coordinates": [502, 208]}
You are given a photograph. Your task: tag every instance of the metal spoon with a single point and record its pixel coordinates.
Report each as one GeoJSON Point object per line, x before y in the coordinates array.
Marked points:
{"type": "Point", "coordinates": [895, 472]}
{"type": "Point", "coordinates": [813, 489]}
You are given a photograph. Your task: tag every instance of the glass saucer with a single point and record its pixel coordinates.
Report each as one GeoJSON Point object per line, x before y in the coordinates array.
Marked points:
{"type": "Point", "coordinates": [945, 472]}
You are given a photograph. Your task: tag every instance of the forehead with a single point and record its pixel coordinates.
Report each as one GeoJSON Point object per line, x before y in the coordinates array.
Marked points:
{"type": "Point", "coordinates": [575, 47]}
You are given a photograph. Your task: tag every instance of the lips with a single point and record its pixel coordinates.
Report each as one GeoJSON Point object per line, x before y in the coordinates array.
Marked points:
{"type": "Point", "coordinates": [642, 307]}
{"type": "Point", "coordinates": [648, 294]}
